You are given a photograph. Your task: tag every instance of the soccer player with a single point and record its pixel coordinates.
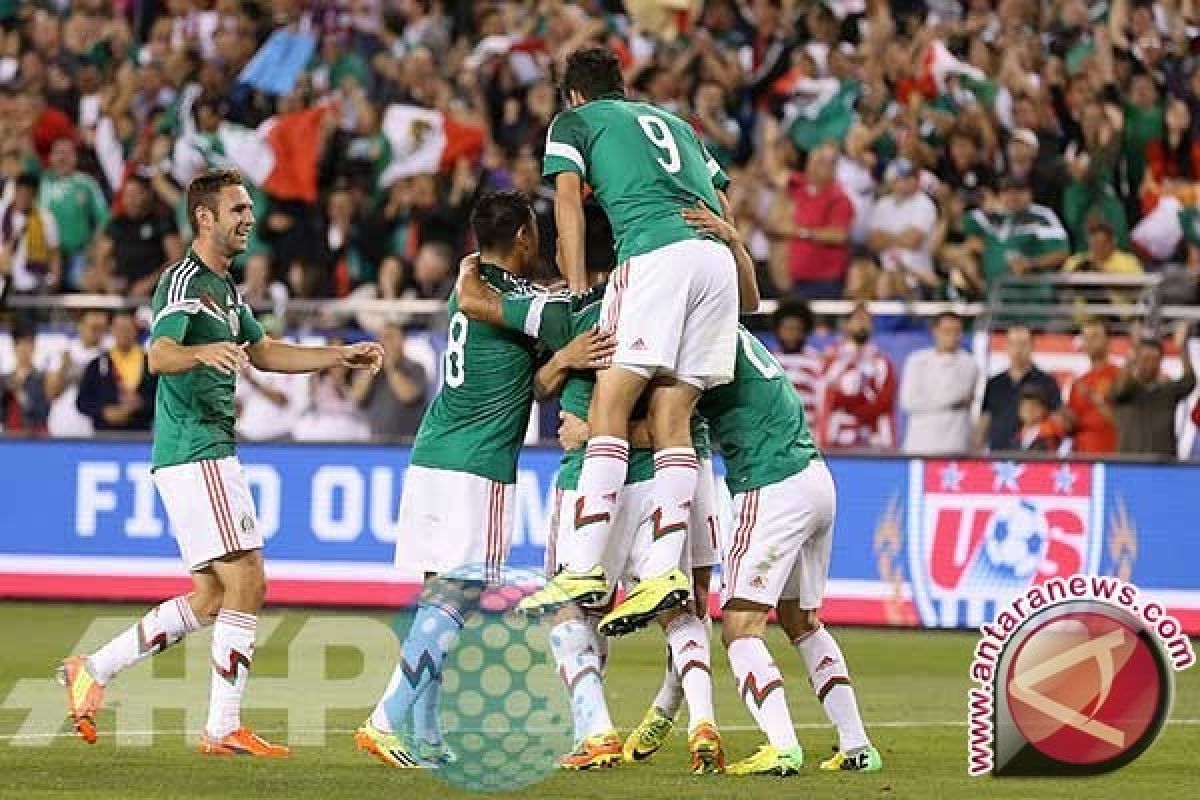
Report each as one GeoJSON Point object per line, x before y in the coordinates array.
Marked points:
{"type": "Point", "coordinates": [457, 504]}
{"type": "Point", "coordinates": [778, 557]}
{"type": "Point", "coordinates": [203, 334]}
{"type": "Point", "coordinates": [672, 305]}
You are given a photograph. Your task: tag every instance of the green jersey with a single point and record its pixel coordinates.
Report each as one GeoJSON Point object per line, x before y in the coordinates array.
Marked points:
{"type": "Point", "coordinates": [1031, 233]}
{"type": "Point", "coordinates": [193, 410]}
{"type": "Point", "coordinates": [758, 420]}
{"type": "Point", "coordinates": [477, 422]}
{"type": "Point", "coordinates": [78, 206]}
{"type": "Point", "coordinates": [644, 164]}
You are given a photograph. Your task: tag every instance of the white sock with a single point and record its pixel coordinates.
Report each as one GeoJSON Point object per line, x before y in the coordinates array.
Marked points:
{"type": "Point", "coordinates": [831, 681]}
{"type": "Point", "coordinates": [162, 627]}
{"type": "Point", "coordinates": [761, 686]}
{"type": "Point", "coordinates": [600, 482]}
{"type": "Point", "coordinates": [676, 472]}
{"type": "Point", "coordinates": [688, 640]}
{"type": "Point", "coordinates": [592, 619]}
{"type": "Point", "coordinates": [670, 694]}
{"type": "Point", "coordinates": [576, 652]}
{"type": "Point", "coordinates": [232, 652]}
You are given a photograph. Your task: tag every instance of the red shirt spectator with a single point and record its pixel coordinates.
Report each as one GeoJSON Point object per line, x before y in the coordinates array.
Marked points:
{"type": "Point", "coordinates": [1089, 412]}
{"type": "Point", "coordinates": [860, 391]}
{"type": "Point", "coordinates": [819, 228]}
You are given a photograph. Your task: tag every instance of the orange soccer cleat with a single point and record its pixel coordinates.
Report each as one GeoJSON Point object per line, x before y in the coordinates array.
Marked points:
{"type": "Point", "coordinates": [242, 742]}
{"type": "Point", "coordinates": [85, 695]}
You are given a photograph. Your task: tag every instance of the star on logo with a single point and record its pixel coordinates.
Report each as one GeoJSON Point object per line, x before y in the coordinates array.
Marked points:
{"type": "Point", "coordinates": [1064, 479]}
{"type": "Point", "coordinates": [1008, 474]}
{"type": "Point", "coordinates": [951, 478]}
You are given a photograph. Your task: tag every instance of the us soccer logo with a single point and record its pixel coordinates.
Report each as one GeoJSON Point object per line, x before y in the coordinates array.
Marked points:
{"type": "Point", "coordinates": [980, 532]}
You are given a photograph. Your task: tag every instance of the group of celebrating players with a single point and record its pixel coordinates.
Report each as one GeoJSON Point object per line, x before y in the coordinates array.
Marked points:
{"type": "Point", "coordinates": [649, 362]}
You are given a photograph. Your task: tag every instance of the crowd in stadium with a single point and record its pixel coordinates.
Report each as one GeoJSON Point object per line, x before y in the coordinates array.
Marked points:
{"type": "Point", "coordinates": [911, 149]}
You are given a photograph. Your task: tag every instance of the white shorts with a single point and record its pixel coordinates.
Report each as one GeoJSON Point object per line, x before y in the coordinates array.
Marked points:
{"type": "Point", "coordinates": [210, 509]}
{"type": "Point", "coordinates": [629, 541]}
{"type": "Point", "coordinates": [781, 541]}
{"type": "Point", "coordinates": [705, 525]}
{"type": "Point", "coordinates": [675, 312]}
{"type": "Point", "coordinates": [453, 519]}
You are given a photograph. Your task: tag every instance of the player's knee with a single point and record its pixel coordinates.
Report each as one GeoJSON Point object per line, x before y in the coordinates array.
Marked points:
{"type": "Point", "coordinates": [207, 603]}
{"type": "Point", "coordinates": [803, 622]}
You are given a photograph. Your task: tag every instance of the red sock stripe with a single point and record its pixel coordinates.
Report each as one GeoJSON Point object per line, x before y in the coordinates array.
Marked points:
{"type": "Point", "coordinates": [607, 451]}
{"type": "Point", "coordinates": [681, 463]}
{"type": "Point", "coordinates": [186, 614]}
{"type": "Point", "coordinates": [741, 538]}
{"type": "Point", "coordinates": [214, 503]}
{"type": "Point", "coordinates": [247, 624]}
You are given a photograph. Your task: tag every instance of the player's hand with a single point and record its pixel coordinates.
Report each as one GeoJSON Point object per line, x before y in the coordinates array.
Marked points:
{"type": "Point", "coordinates": [1180, 337]}
{"type": "Point", "coordinates": [364, 355]}
{"type": "Point", "coordinates": [589, 350]}
{"type": "Point", "coordinates": [706, 222]}
{"type": "Point", "coordinates": [227, 357]}
{"type": "Point", "coordinates": [572, 431]}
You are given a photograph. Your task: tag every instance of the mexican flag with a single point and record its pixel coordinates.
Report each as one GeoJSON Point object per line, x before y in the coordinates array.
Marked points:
{"type": "Point", "coordinates": [424, 141]}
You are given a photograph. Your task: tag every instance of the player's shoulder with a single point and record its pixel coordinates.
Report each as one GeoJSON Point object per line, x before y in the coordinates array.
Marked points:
{"type": "Point", "coordinates": [179, 282]}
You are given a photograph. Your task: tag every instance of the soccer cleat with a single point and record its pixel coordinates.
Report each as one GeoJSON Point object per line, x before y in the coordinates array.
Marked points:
{"type": "Point", "coordinates": [649, 736]}
{"type": "Point", "coordinates": [651, 598]}
{"type": "Point", "coordinates": [594, 752]}
{"type": "Point", "coordinates": [435, 754]}
{"type": "Point", "coordinates": [242, 742]}
{"type": "Point", "coordinates": [386, 746]}
{"type": "Point", "coordinates": [769, 760]}
{"type": "Point", "coordinates": [85, 695]}
{"type": "Point", "coordinates": [566, 587]}
{"type": "Point", "coordinates": [705, 747]}
{"type": "Point", "coordinates": [862, 759]}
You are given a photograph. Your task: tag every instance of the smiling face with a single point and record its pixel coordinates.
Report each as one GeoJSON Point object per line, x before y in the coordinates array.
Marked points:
{"type": "Point", "coordinates": [230, 226]}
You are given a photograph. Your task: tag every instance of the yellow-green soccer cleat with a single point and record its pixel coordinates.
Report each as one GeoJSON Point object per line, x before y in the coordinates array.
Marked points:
{"type": "Point", "coordinates": [705, 747]}
{"type": "Point", "coordinates": [566, 587]}
{"type": "Point", "coordinates": [594, 752]}
{"type": "Point", "coordinates": [85, 695]}
{"type": "Point", "coordinates": [435, 754]}
{"type": "Point", "coordinates": [649, 736]}
{"type": "Point", "coordinates": [862, 759]}
{"type": "Point", "coordinates": [770, 760]}
{"type": "Point", "coordinates": [386, 746]}
{"type": "Point", "coordinates": [651, 598]}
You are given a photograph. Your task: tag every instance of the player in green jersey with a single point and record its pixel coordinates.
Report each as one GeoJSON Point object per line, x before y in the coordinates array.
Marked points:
{"type": "Point", "coordinates": [457, 507]}
{"type": "Point", "coordinates": [672, 304]}
{"type": "Point", "coordinates": [784, 503]}
{"type": "Point", "coordinates": [202, 335]}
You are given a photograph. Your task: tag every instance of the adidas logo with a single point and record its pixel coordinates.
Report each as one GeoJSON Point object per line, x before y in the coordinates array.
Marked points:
{"type": "Point", "coordinates": [692, 644]}
{"type": "Point", "coordinates": [638, 344]}
{"type": "Point", "coordinates": [826, 662]}
{"type": "Point", "coordinates": [610, 497]}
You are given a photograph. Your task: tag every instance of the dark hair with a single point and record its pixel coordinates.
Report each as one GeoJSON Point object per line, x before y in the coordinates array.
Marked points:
{"type": "Point", "coordinates": [28, 180]}
{"type": "Point", "coordinates": [497, 217]}
{"type": "Point", "coordinates": [797, 309]}
{"type": "Point", "coordinates": [1091, 322]}
{"type": "Point", "coordinates": [593, 72]}
{"type": "Point", "coordinates": [205, 187]}
{"type": "Point", "coordinates": [947, 314]}
{"type": "Point", "coordinates": [599, 252]}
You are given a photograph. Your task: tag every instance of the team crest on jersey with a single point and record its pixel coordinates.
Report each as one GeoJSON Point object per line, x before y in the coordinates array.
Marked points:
{"type": "Point", "coordinates": [981, 532]}
{"type": "Point", "coordinates": [246, 522]}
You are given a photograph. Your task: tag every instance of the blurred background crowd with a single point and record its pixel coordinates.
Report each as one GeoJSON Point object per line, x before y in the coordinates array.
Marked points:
{"type": "Point", "coordinates": [878, 150]}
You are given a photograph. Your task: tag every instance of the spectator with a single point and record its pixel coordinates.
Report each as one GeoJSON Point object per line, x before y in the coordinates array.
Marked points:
{"type": "Point", "coordinates": [388, 285]}
{"type": "Point", "coordinates": [432, 278]}
{"type": "Point", "coordinates": [77, 204]}
{"type": "Point", "coordinates": [393, 400]}
{"type": "Point", "coordinates": [1040, 431]}
{"type": "Point", "coordinates": [139, 242]}
{"type": "Point", "coordinates": [999, 424]}
{"type": "Point", "coordinates": [860, 390]}
{"type": "Point", "coordinates": [1145, 401]}
{"type": "Point", "coordinates": [1088, 414]}
{"type": "Point", "coordinates": [259, 289]}
{"type": "Point", "coordinates": [117, 389]}
{"type": "Point", "coordinates": [331, 414]}
{"type": "Point", "coordinates": [1102, 254]}
{"type": "Point", "coordinates": [269, 404]}
{"type": "Point", "coordinates": [902, 226]}
{"type": "Point", "coordinates": [62, 384]}
{"type": "Point", "coordinates": [23, 391]}
{"type": "Point", "coordinates": [815, 220]}
{"type": "Point", "coordinates": [29, 244]}
{"type": "Point", "coordinates": [937, 385]}
{"type": "Point", "coordinates": [803, 364]}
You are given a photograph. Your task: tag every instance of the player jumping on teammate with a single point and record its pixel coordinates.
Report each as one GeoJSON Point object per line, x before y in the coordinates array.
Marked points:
{"type": "Point", "coordinates": [202, 335]}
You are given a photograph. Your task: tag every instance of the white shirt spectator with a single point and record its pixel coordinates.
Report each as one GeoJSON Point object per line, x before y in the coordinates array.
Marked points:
{"type": "Point", "coordinates": [13, 242]}
{"type": "Point", "coordinates": [894, 214]}
{"type": "Point", "coordinates": [858, 184]}
{"type": "Point", "coordinates": [65, 418]}
{"type": "Point", "coordinates": [270, 404]}
{"type": "Point", "coordinates": [936, 389]}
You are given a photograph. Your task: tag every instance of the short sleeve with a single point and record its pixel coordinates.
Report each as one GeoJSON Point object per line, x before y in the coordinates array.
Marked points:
{"type": "Point", "coordinates": [173, 325]}
{"type": "Point", "coordinates": [251, 331]}
{"type": "Point", "coordinates": [719, 179]}
{"type": "Point", "coordinates": [566, 142]}
{"type": "Point", "coordinates": [173, 304]}
{"type": "Point", "coordinates": [543, 315]}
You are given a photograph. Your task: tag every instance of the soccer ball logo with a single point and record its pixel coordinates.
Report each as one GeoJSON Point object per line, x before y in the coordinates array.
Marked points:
{"type": "Point", "coordinates": [1017, 539]}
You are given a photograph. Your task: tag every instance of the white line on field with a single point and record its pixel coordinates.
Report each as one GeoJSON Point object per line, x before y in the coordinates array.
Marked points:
{"type": "Point", "coordinates": [900, 723]}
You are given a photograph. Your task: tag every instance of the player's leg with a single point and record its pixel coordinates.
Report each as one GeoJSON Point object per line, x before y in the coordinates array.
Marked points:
{"type": "Point", "coordinates": [85, 677]}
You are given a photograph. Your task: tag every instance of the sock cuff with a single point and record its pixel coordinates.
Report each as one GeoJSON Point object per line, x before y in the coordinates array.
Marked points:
{"type": "Point", "coordinates": [804, 639]}
{"type": "Point", "coordinates": [680, 457]}
{"type": "Point", "coordinates": [184, 608]}
{"type": "Point", "coordinates": [238, 619]}
{"type": "Point", "coordinates": [680, 623]}
{"type": "Point", "coordinates": [449, 611]}
{"type": "Point", "coordinates": [740, 644]}
{"type": "Point", "coordinates": [607, 447]}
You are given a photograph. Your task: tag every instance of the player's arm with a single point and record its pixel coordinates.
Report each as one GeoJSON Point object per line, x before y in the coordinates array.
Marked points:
{"type": "Point", "coordinates": [167, 356]}
{"type": "Point", "coordinates": [476, 299]}
{"type": "Point", "coordinates": [591, 349]}
{"type": "Point", "coordinates": [573, 432]}
{"type": "Point", "coordinates": [709, 223]}
{"type": "Point", "coordinates": [569, 221]}
{"type": "Point", "coordinates": [273, 355]}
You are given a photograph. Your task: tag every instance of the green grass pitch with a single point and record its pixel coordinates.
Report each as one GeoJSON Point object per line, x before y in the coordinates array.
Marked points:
{"type": "Point", "coordinates": [911, 687]}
